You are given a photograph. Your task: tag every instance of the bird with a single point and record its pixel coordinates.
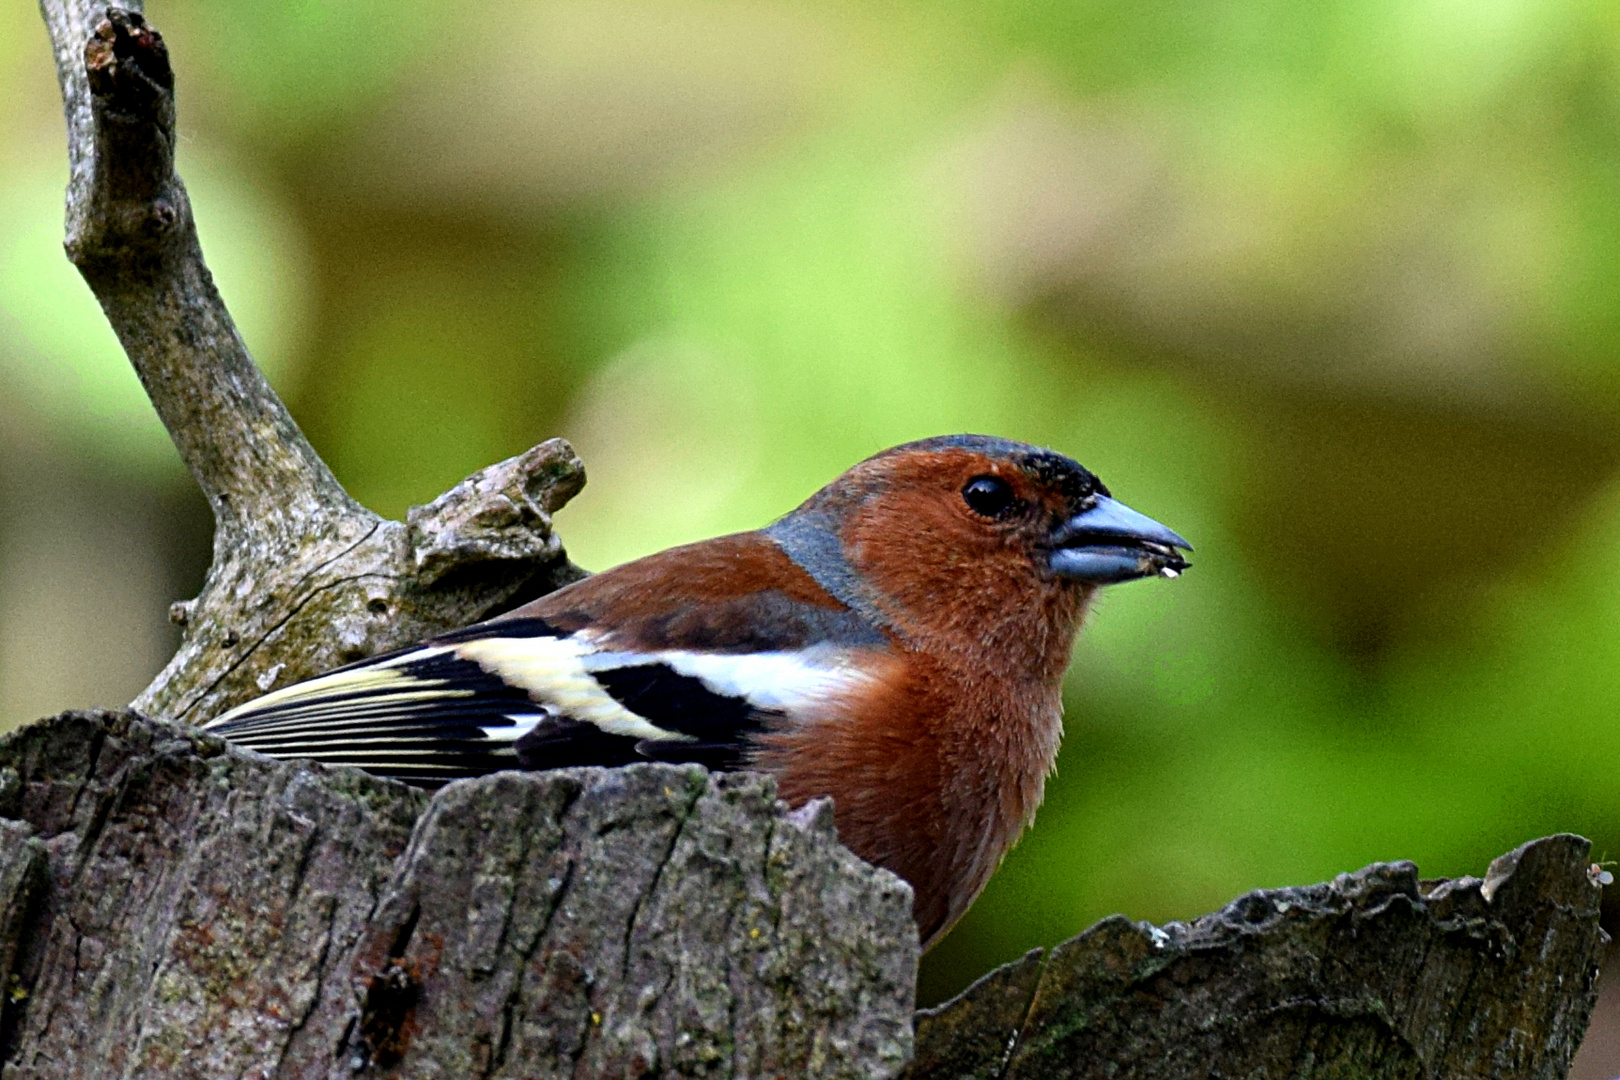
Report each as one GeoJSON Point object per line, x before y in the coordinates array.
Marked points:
{"type": "Point", "coordinates": [896, 643]}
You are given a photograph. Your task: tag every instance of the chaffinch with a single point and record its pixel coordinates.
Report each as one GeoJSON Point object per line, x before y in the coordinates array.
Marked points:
{"type": "Point", "coordinates": [898, 643]}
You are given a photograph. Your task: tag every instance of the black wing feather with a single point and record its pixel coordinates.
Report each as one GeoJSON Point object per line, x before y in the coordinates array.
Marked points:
{"type": "Point", "coordinates": [429, 730]}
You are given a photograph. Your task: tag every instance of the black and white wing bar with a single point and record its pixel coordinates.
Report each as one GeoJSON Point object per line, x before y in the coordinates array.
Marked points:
{"type": "Point", "coordinates": [520, 694]}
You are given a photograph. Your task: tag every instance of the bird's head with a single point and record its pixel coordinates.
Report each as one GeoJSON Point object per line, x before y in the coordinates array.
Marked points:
{"type": "Point", "coordinates": [972, 525]}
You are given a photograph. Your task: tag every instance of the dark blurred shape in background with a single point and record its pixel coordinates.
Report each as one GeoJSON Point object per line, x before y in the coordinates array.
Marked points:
{"type": "Point", "coordinates": [1331, 287]}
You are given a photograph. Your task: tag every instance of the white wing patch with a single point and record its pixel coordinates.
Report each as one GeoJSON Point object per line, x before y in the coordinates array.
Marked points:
{"type": "Point", "coordinates": [789, 682]}
{"type": "Point", "coordinates": [552, 670]}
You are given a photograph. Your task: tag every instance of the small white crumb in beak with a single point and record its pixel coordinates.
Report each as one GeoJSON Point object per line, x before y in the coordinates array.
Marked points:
{"type": "Point", "coordinates": [1167, 572]}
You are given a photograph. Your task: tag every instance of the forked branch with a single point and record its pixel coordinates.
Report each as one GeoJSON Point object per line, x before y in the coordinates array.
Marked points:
{"type": "Point", "coordinates": [303, 577]}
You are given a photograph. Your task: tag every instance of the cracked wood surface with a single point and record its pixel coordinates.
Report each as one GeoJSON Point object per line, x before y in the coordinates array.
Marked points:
{"type": "Point", "coordinates": [1373, 975]}
{"type": "Point", "coordinates": [303, 579]}
{"type": "Point", "coordinates": [178, 908]}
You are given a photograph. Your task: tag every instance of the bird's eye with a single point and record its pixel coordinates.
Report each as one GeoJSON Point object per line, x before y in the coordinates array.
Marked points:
{"type": "Point", "coordinates": [988, 496]}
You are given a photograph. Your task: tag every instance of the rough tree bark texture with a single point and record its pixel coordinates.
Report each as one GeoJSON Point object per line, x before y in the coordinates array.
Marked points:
{"type": "Point", "coordinates": [171, 907]}
{"type": "Point", "coordinates": [1376, 974]}
{"type": "Point", "coordinates": [175, 908]}
{"type": "Point", "coordinates": [303, 578]}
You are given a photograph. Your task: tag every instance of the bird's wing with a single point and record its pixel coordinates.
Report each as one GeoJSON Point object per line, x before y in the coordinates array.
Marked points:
{"type": "Point", "coordinates": [684, 656]}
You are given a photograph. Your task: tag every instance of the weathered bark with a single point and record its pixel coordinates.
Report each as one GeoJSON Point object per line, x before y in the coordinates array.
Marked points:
{"type": "Point", "coordinates": [211, 913]}
{"type": "Point", "coordinates": [173, 907]}
{"type": "Point", "coordinates": [1376, 974]}
{"type": "Point", "coordinates": [303, 577]}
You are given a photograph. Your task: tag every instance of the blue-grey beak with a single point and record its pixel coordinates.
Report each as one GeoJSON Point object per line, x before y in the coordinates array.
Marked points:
{"type": "Point", "coordinates": [1111, 542]}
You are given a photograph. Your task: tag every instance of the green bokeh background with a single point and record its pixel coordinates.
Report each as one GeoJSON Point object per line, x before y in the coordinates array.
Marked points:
{"type": "Point", "coordinates": [1332, 287]}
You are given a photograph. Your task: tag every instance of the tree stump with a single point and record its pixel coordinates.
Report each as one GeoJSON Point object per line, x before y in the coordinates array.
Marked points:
{"type": "Point", "coordinates": [171, 906]}
{"type": "Point", "coordinates": [177, 908]}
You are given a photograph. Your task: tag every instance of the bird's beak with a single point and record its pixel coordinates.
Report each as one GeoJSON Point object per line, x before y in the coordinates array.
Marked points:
{"type": "Point", "coordinates": [1111, 542]}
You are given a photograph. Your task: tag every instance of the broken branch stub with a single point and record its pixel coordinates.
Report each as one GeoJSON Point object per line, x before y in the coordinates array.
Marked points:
{"type": "Point", "coordinates": [131, 234]}
{"type": "Point", "coordinates": [360, 586]}
{"type": "Point", "coordinates": [303, 577]}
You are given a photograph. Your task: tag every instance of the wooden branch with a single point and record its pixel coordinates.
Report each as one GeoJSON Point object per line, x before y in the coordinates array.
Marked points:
{"type": "Point", "coordinates": [303, 577]}
{"type": "Point", "coordinates": [131, 234]}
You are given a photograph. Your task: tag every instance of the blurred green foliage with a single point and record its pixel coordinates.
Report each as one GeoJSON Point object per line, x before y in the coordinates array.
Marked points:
{"type": "Point", "coordinates": [1329, 287]}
